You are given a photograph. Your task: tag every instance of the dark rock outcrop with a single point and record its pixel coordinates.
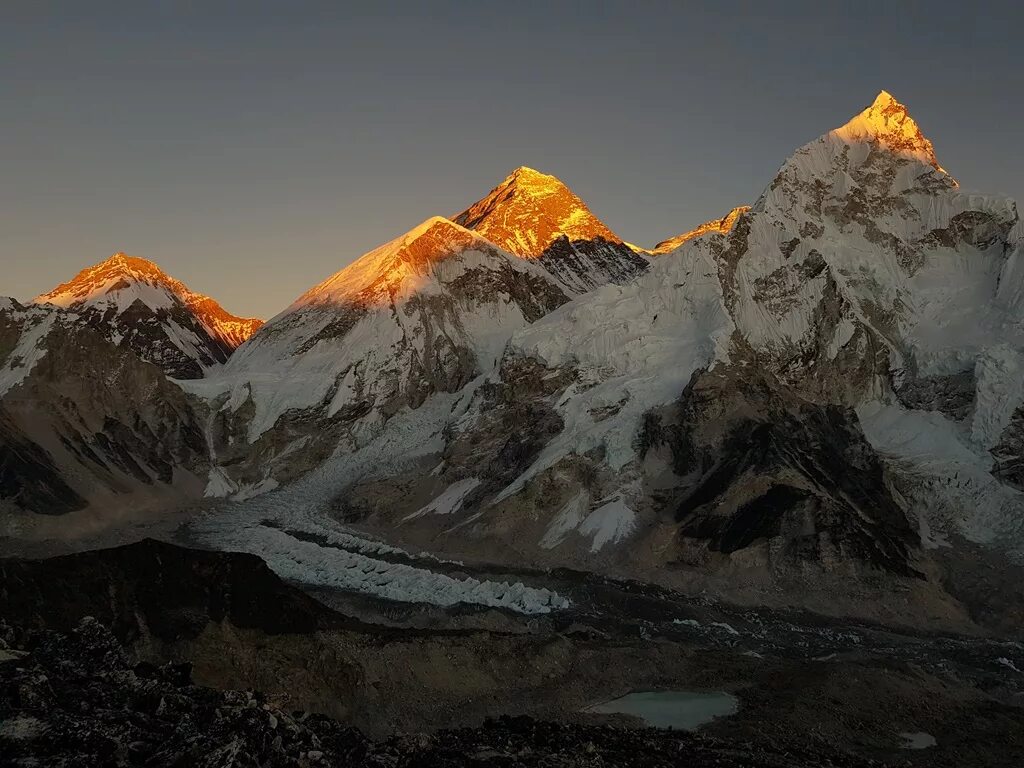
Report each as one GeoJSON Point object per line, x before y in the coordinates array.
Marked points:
{"type": "Point", "coordinates": [156, 589]}
{"type": "Point", "coordinates": [953, 395]}
{"type": "Point", "coordinates": [1008, 453]}
{"type": "Point", "coordinates": [762, 464]}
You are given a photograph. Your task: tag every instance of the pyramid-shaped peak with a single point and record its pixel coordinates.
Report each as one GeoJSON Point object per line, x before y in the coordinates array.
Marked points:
{"type": "Point", "coordinates": [529, 211]}
{"type": "Point", "coordinates": [887, 122]}
{"type": "Point", "coordinates": [886, 112]}
{"type": "Point", "coordinates": [121, 280]}
{"type": "Point", "coordinates": [884, 99]}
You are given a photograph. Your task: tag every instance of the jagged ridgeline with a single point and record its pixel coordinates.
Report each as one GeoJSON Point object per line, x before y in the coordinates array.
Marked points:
{"type": "Point", "coordinates": [821, 386]}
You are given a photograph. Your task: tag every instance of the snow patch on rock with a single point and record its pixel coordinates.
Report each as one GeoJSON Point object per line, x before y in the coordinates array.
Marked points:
{"type": "Point", "coordinates": [567, 520]}
{"type": "Point", "coordinates": [610, 523]}
{"type": "Point", "coordinates": [450, 501]}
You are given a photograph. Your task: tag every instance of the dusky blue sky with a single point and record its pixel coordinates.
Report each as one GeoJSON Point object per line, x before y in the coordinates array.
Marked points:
{"type": "Point", "coordinates": [252, 148]}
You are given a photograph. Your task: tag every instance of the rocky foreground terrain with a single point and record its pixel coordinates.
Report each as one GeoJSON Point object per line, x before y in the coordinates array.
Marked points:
{"type": "Point", "coordinates": [77, 699]}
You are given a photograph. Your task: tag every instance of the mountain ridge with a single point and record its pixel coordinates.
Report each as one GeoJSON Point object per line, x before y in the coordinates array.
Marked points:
{"type": "Point", "coordinates": [387, 267]}
{"type": "Point", "coordinates": [720, 226]}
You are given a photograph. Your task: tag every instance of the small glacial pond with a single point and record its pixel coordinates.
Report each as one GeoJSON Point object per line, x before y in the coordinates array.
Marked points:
{"type": "Point", "coordinates": [681, 710]}
{"type": "Point", "coordinates": [917, 740]}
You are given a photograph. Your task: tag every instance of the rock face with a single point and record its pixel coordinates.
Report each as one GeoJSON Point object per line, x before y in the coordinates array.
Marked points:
{"type": "Point", "coordinates": [767, 468]}
{"type": "Point", "coordinates": [535, 216]}
{"type": "Point", "coordinates": [83, 420]}
{"type": "Point", "coordinates": [132, 302]}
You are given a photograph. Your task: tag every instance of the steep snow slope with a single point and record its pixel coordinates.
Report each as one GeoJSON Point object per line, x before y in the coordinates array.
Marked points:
{"type": "Point", "coordinates": [910, 256]}
{"type": "Point", "coordinates": [535, 216]}
{"type": "Point", "coordinates": [428, 312]}
{"type": "Point", "coordinates": [133, 302]}
{"type": "Point", "coordinates": [23, 330]}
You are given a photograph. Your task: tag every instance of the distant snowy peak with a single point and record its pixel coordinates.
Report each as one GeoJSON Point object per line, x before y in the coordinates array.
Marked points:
{"type": "Point", "coordinates": [536, 216]}
{"type": "Point", "coordinates": [720, 226]}
{"type": "Point", "coordinates": [399, 267]}
{"type": "Point", "coordinates": [121, 280]}
{"type": "Point", "coordinates": [135, 303]}
{"type": "Point", "coordinates": [888, 123]}
{"type": "Point", "coordinates": [118, 281]}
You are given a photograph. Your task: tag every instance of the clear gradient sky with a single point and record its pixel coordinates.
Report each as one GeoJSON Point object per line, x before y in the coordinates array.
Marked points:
{"type": "Point", "coordinates": [252, 149]}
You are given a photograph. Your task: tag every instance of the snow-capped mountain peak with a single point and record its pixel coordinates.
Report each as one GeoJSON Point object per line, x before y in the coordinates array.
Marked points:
{"type": "Point", "coordinates": [116, 279]}
{"type": "Point", "coordinates": [529, 210]}
{"type": "Point", "coordinates": [133, 301]}
{"type": "Point", "coordinates": [535, 216]}
{"type": "Point", "coordinates": [532, 182]}
{"type": "Point", "coordinates": [887, 122]}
